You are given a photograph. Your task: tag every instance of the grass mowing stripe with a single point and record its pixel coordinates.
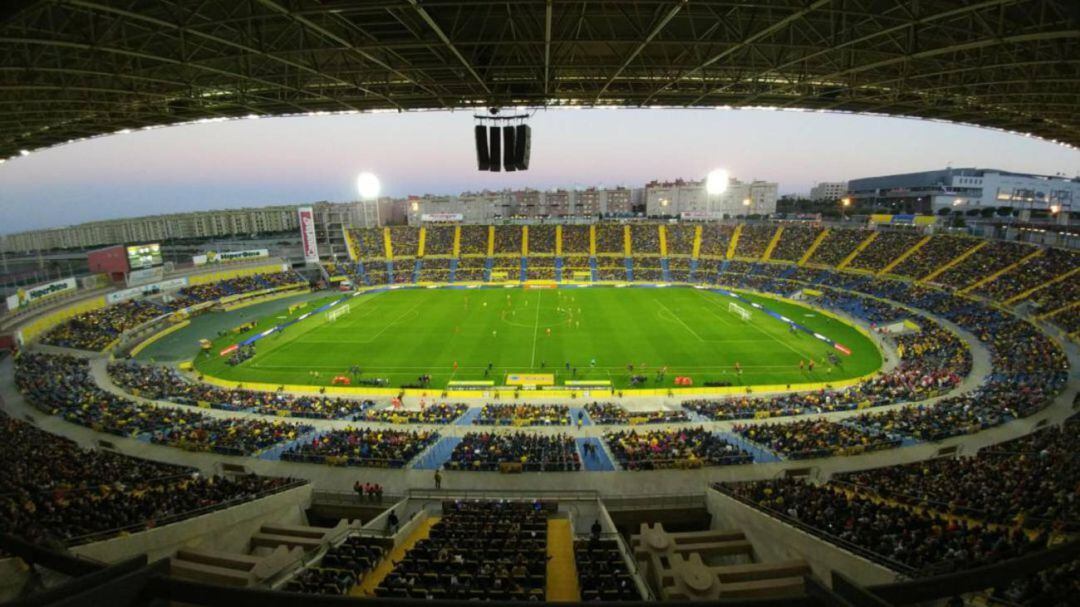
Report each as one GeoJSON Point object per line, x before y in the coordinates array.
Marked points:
{"type": "Point", "coordinates": [754, 326]}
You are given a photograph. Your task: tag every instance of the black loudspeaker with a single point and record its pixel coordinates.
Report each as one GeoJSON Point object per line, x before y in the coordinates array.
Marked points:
{"type": "Point", "coordinates": [509, 149]}
{"type": "Point", "coordinates": [522, 147]}
{"type": "Point", "coordinates": [495, 149]}
{"type": "Point", "coordinates": [483, 160]}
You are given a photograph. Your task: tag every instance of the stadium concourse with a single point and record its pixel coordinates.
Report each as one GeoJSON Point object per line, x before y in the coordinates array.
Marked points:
{"type": "Point", "coordinates": [957, 454]}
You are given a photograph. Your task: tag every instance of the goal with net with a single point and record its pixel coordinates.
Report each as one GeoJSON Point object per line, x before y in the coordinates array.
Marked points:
{"type": "Point", "coordinates": [337, 312]}
{"type": "Point", "coordinates": [739, 311]}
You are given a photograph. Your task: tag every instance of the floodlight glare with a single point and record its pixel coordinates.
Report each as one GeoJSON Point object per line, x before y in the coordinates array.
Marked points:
{"type": "Point", "coordinates": [367, 184]}
{"type": "Point", "coordinates": [717, 182]}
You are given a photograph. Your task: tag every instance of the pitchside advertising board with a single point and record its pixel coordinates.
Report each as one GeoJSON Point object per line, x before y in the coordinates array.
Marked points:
{"type": "Point", "coordinates": [164, 286]}
{"type": "Point", "coordinates": [29, 295]}
{"type": "Point", "coordinates": [229, 256]}
{"type": "Point", "coordinates": [307, 234]}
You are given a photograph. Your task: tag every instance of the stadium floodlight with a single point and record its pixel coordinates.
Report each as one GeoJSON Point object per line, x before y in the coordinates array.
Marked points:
{"type": "Point", "coordinates": [367, 184]}
{"type": "Point", "coordinates": [717, 182]}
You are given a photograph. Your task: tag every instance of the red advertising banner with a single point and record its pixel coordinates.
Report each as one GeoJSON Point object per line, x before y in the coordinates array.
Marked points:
{"type": "Point", "coordinates": [307, 235]}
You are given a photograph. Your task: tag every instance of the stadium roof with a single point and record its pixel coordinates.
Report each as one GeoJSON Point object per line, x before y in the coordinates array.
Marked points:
{"type": "Point", "coordinates": [78, 68]}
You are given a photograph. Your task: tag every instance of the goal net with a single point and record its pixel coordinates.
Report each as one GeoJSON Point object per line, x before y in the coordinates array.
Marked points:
{"type": "Point", "coordinates": [739, 311]}
{"type": "Point", "coordinates": [337, 312]}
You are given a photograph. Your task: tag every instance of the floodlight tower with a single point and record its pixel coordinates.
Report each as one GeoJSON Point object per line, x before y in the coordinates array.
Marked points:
{"type": "Point", "coordinates": [368, 187]}
{"type": "Point", "coordinates": [716, 183]}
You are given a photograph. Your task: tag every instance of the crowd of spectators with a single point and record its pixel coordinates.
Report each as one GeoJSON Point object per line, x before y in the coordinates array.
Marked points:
{"type": "Point", "coordinates": [602, 571]}
{"type": "Point", "coordinates": [542, 239]}
{"type": "Point", "coordinates": [438, 240]}
{"type": "Point", "coordinates": [405, 241]}
{"type": "Point", "coordinates": [341, 568]}
{"type": "Point", "coordinates": [1056, 295]}
{"type": "Point", "coordinates": [489, 451]}
{"type": "Point", "coordinates": [435, 269]}
{"type": "Point", "coordinates": [1068, 319]}
{"type": "Point", "coordinates": [1030, 480]}
{"type": "Point", "coordinates": [811, 438]}
{"type": "Point", "coordinates": [645, 239]}
{"type": "Point", "coordinates": [403, 270]}
{"type": "Point", "coordinates": [197, 294]}
{"type": "Point", "coordinates": [613, 414]}
{"type": "Point", "coordinates": [435, 413]}
{"type": "Point", "coordinates": [370, 242]}
{"type": "Point", "coordinates": [62, 385]}
{"type": "Point", "coordinates": [508, 240]}
{"type": "Point", "coordinates": [96, 329]}
{"type": "Point", "coordinates": [474, 240]}
{"type": "Point", "coordinates": [940, 250]}
{"type": "Point", "coordinates": [837, 245]}
{"type": "Point", "coordinates": [610, 269]}
{"type": "Point", "coordinates": [886, 248]}
{"type": "Point", "coordinates": [166, 383]}
{"type": "Point", "coordinates": [715, 238]}
{"type": "Point", "coordinates": [913, 542]}
{"type": "Point", "coordinates": [540, 268]}
{"type": "Point", "coordinates": [995, 256]}
{"type": "Point", "coordinates": [375, 271]}
{"type": "Point", "coordinates": [679, 239]}
{"type": "Point", "coordinates": [371, 447]}
{"type": "Point", "coordinates": [679, 269]}
{"type": "Point", "coordinates": [679, 448]}
{"type": "Point", "coordinates": [494, 550]}
{"type": "Point", "coordinates": [56, 493]}
{"type": "Point", "coordinates": [648, 270]}
{"type": "Point", "coordinates": [523, 415]}
{"type": "Point", "coordinates": [470, 269]}
{"type": "Point", "coordinates": [232, 436]}
{"type": "Point", "coordinates": [795, 242]}
{"type": "Point", "coordinates": [610, 239]}
{"type": "Point", "coordinates": [1030, 274]}
{"type": "Point", "coordinates": [754, 239]}
{"type": "Point", "coordinates": [1055, 586]}
{"type": "Point", "coordinates": [575, 240]}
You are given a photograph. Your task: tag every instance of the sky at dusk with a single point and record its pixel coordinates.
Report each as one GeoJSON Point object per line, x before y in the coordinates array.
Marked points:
{"type": "Point", "coordinates": [307, 159]}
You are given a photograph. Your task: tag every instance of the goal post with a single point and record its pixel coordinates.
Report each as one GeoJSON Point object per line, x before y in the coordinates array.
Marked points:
{"type": "Point", "coordinates": [739, 311]}
{"type": "Point", "coordinates": [337, 312]}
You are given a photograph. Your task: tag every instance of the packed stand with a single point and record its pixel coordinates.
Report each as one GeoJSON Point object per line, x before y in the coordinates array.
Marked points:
{"type": "Point", "coordinates": [542, 239]}
{"type": "Point", "coordinates": [886, 248]}
{"type": "Point", "coordinates": [508, 240]}
{"type": "Point", "coordinates": [371, 447]}
{"type": "Point", "coordinates": [837, 245]}
{"type": "Point", "coordinates": [434, 414]}
{"type": "Point", "coordinates": [438, 240]}
{"type": "Point", "coordinates": [341, 568]}
{"type": "Point", "coordinates": [679, 269]}
{"type": "Point", "coordinates": [1056, 586]}
{"type": "Point", "coordinates": [1056, 295]}
{"type": "Point", "coordinates": [1033, 273]}
{"type": "Point", "coordinates": [995, 256]}
{"type": "Point", "coordinates": [476, 551]}
{"type": "Point", "coordinates": [96, 329]}
{"type": "Point", "coordinates": [435, 270]}
{"type": "Point", "coordinates": [213, 291]}
{"type": "Point", "coordinates": [489, 451]}
{"type": "Point", "coordinates": [470, 270]}
{"type": "Point", "coordinates": [679, 238]}
{"type": "Point", "coordinates": [523, 415]}
{"type": "Point", "coordinates": [903, 539]}
{"type": "Point", "coordinates": [754, 239]}
{"type": "Point", "coordinates": [806, 439]}
{"type": "Point", "coordinates": [233, 436]}
{"type": "Point", "coordinates": [715, 238]}
{"type": "Point", "coordinates": [1030, 480]}
{"type": "Point", "coordinates": [645, 239]}
{"type": "Point", "coordinates": [166, 383]}
{"type": "Point", "coordinates": [405, 241]}
{"type": "Point", "coordinates": [1068, 319]}
{"type": "Point", "coordinates": [610, 239]}
{"type": "Point", "coordinates": [375, 271]}
{"type": "Point", "coordinates": [940, 250]}
{"type": "Point", "coordinates": [403, 270]}
{"type": "Point", "coordinates": [370, 242]}
{"type": "Point", "coordinates": [679, 448]}
{"type": "Point", "coordinates": [795, 242]}
{"type": "Point", "coordinates": [474, 240]}
{"type": "Point", "coordinates": [54, 492]}
{"type": "Point", "coordinates": [613, 414]}
{"type": "Point", "coordinates": [62, 385]}
{"type": "Point", "coordinates": [575, 240]}
{"type": "Point", "coordinates": [541, 268]}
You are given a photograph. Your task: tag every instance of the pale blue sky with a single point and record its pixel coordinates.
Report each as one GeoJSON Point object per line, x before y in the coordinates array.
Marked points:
{"type": "Point", "coordinates": [306, 159]}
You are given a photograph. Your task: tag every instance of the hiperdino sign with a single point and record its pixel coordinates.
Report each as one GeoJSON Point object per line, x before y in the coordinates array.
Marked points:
{"type": "Point", "coordinates": [227, 256]}
{"type": "Point", "coordinates": [26, 296]}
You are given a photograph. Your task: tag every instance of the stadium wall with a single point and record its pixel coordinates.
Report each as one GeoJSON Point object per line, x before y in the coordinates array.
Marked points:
{"type": "Point", "coordinates": [774, 540]}
{"type": "Point", "coordinates": [227, 530]}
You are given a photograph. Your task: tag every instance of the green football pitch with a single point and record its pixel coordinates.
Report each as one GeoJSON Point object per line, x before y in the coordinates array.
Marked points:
{"type": "Point", "coordinates": [455, 334]}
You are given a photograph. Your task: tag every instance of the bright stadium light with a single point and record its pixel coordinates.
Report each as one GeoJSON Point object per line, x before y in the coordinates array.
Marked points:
{"type": "Point", "coordinates": [367, 184]}
{"type": "Point", "coordinates": [716, 183]}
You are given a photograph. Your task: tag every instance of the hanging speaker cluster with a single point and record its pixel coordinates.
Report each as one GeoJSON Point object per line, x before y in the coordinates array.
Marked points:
{"type": "Point", "coordinates": [502, 142]}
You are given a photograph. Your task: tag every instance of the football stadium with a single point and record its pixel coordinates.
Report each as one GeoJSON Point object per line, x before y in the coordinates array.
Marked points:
{"type": "Point", "coordinates": [685, 391]}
